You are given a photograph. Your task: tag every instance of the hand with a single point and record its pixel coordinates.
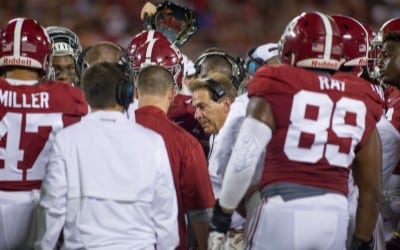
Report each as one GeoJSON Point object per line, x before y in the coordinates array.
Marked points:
{"type": "Point", "coordinates": [393, 243]}
{"type": "Point", "coordinates": [216, 241]}
{"type": "Point", "coordinates": [148, 9]}
{"type": "Point", "coordinates": [358, 244]}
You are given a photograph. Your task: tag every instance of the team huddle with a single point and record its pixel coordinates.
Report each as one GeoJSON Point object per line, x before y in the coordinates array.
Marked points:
{"type": "Point", "coordinates": [294, 146]}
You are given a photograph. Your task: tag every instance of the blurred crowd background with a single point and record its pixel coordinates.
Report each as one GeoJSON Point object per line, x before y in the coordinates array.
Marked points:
{"type": "Point", "coordinates": [233, 25]}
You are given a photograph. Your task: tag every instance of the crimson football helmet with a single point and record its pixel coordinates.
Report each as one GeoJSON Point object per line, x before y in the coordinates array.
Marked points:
{"type": "Point", "coordinates": [312, 40]}
{"type": "Point", "coordinates": [159, 51]}
{"type": "Point", "coordinates": [25, 43]}
{"type": "Point", "coordinates": [141, 38]}
{"type": "Point", "coordinates": [356, 40]}
{"type": "Point", "coordinates": [392, 25]}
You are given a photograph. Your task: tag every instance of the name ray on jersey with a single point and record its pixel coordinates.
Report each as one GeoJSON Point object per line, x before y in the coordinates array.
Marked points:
{"type": "Point", "coordinates": [331, 84]}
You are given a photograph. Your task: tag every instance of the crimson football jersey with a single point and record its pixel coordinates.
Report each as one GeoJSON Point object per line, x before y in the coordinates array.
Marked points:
{"type": "Point", "coordinates": [321, 122]}
{"type": "Point", "coordinates": [181, 113]}
{"type": "Point", "coordinates": [29, 116]}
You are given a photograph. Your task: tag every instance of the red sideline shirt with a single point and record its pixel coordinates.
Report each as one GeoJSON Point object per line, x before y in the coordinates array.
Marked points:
{"type": "Point", "coordinates": [181, 113]}
{"type": "Point", "coordinates": [29, 116]}
{"type": "Point", "coordinates": [321, 121]}
{"type": "Point", "coordinates": [188, 163]}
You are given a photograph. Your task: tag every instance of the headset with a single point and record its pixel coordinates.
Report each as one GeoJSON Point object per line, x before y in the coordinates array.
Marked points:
{"type": "Point", "coordinates": [81, 64]}
{"type": "Point", "coordinates": [215, 90]}
{"type": "Point", "coordinates": [124, 59]}
{"type": "Point", "coordinates": [265, 53]}
{"type": "Point", "coordinates": [125, 89]}
{"type": "Point", "coordinates": [251, 64]}
{"type": "Point", "coordinates": [238, 71]}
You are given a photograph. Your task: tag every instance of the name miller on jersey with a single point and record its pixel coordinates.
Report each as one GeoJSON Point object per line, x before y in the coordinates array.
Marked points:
{"type": "Point", "coordinates": [331, 84]}
{"type": "Point", "coordinates": [20, 100]}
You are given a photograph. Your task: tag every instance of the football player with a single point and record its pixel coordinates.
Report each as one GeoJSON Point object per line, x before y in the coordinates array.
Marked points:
{"type": "Point", "coordinates": [357, 39]}
{"type": "Point", "coordinates": [30, 114]}
{"type": "Point", "coordinates": [66, 51]}
{"type": "Point", "coordinates": [313, 127]}
{"type": "Point", "coordinates": [388, 37]}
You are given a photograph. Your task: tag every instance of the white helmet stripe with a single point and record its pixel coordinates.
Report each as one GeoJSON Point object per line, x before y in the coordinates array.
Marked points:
{"type": "Point", "coordinates": [150, 35]}
{"type": "Point", "coordinates": [149, 51]}
{"type": "Point", "coordinates": [366, 38]}
{"type": "Point", "coordinates": [328, 37]}
{"type": "Point", "coordinates": [17, 37]}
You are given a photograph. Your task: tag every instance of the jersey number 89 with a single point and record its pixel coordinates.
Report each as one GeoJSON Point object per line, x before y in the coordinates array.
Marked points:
{"type": "Point", "coordinates": [331, 117]}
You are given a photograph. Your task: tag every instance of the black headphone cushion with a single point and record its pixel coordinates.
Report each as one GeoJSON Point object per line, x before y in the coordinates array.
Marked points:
{"type": "Point", "coordinates": [124, 93]}
{"type": "Point", "coordinates": [238, 71]}
{"type": "Point", "coordinates": [216, 91]}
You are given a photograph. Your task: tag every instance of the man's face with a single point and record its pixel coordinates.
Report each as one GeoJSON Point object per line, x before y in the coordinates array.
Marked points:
{"type": "Point", "coordinates": [64, 69]}
{"type": "Point", "coordinates": [389, 63]}
{"type": "Point", "coordinates": [211, 115]}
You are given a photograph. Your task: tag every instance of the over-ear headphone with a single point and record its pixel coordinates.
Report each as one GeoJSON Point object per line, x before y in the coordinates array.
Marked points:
{"type": "Point", "coordinates": [238, 72]}
{"type": "Point", "coordinates": [81, 64]}
{"type": "Point", "coordinates": [251, 64]}
{"type": "Point", "coordinates": [215, 90]}
{"type": "Point", "coordinates": [258, 56]}
{"type": "Point", "coordinates": [125, 88]}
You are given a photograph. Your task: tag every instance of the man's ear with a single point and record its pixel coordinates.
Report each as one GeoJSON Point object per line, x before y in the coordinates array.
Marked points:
{"type": "Point", "coordinates": [227, 103]}
{"type": "Point", "coordinates": [136, 93]}
{"type": "Point", "coordinates": [172, 93]}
